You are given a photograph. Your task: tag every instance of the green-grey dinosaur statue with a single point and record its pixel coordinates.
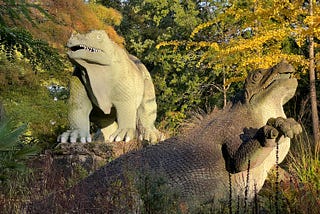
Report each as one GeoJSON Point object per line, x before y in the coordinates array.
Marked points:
{"type": "Point", "coordinates": [110, 88]}
{"type": "Point", "coordinates": [226, 154]}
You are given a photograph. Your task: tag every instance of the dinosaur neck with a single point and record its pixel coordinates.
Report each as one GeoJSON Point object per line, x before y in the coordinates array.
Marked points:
{"type": "Point", "coordinates": [100, 70]}
{"type": "Point", "coordinates": [267, 109]}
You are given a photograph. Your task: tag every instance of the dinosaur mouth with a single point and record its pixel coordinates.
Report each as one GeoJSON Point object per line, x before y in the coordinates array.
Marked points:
{"type": "Point", "coordinates": [279, 76]}
{"type": "Point", "coordinates": [271, 81]}
{"type": "Point", "coordinates": [86, 48]}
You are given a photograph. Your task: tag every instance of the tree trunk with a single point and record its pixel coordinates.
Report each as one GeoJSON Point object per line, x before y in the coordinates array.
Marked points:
{"type": "Point", "coordinates": [313, 97]}
{"type": "Point", "coordinates": [224, 89]}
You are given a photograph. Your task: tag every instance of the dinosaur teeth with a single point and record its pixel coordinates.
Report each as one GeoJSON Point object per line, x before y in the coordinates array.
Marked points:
{"type": "Point", "coordinates": [86, 48]}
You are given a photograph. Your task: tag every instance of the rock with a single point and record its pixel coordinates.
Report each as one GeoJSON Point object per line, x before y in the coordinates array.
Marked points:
{"type": "Point", "coordinates": [68, 163]}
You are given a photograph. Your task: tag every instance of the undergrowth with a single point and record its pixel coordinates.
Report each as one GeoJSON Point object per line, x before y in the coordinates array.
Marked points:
{"type": "Point", "coordinates": [299, 183]}
{"type": "Point", "coordinates": [26, 98]}
{"type": "Point", "coordinates": [298, 190]}
{"type": "Point", "coordinates": [14, 173]}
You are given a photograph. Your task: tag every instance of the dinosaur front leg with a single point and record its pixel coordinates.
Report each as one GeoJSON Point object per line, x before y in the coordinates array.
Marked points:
{"type": "Point", "coordinates": [79, 109]}
{"type": "Point", "coordinates": [257, 149]}
{"type": "Point", "coordinates": [126, 118]}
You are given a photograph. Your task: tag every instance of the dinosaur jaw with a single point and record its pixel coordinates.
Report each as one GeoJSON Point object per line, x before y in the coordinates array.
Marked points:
{"type": "Point", "coordinates": [282, 88]}
{"type": "Point", "coordinates": [269, 103]}
{"type": "Point", "coordinates": [85, 54]}
{"type": "Point", "coordinates": [277, 87]}
{"type": "Point", "coordinates": [85, 48]}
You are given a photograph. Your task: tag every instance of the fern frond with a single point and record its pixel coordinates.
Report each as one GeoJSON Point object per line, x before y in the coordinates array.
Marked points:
{"type": "Point", "coordinates": [9, 137]}
{"type": "Point", "coordinates": [13, 153]}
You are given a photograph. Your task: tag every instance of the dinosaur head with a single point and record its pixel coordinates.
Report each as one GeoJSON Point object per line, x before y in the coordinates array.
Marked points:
{"type": "Point", "coordinates": [94, 47]}
{"type": "Point", "coordinates": [273, 85]}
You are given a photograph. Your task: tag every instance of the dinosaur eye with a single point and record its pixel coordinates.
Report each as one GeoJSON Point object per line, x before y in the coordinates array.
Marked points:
{"type": "Point", "coordinates": [256, 77]}
{"type": "Point", "coordinates": [99, 36]}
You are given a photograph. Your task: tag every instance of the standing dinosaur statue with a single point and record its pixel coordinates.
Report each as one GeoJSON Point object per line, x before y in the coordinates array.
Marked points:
{"type": "Point", "coordinates": [227, 154]}
{"type": "Point", "coordinates": [110, 87]}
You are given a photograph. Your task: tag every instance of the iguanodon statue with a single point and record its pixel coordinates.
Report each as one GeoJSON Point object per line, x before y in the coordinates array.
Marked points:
{"type": "Point", "coordinates": [226, 154]}
{"type": "Point", "coordinates": [111, 88]}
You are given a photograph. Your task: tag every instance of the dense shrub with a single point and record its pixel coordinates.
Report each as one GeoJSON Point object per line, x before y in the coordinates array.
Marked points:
{"type": "Point", "coordinates": [27, 100]}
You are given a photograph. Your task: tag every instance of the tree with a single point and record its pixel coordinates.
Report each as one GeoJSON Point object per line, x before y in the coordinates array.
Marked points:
{"type": "Point", "coordinates": [313, 96]}
{"type": "Point", "coordinates": [145, 24]}
{"type": "Point", "coordinates": [19, 43]}
{"type": "Point", "coordinates": [244, 35]}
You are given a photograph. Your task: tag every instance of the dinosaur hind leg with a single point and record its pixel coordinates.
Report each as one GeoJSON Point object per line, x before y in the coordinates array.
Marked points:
{"type": "Point", "coordinates": [147, 113]}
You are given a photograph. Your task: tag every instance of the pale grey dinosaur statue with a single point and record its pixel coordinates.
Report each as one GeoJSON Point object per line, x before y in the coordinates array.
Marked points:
{"type": "Point", "coordinates": [112, 88]}
{"type": "Point", "coordinates": [209, 162]}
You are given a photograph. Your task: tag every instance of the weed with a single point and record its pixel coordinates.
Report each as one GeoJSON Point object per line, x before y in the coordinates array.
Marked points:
{"type": "Point", "coordinates": [156, 195]}
{"type": "Point", "coordinates": [78, 173]}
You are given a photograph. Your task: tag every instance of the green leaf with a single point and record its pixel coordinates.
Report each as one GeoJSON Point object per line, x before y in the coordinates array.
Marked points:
{"type": "Point", "coordinates": [8, 137]}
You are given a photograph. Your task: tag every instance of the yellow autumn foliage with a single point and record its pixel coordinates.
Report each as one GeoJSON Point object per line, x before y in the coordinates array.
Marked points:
{"type": "Point", "coordinates": [169, 43]}
{"type": "Point", "coordinates": [200, 27]}
{"type": "Point", "coordinates": [264, 48]}
{"type": "Point", "coordinates": [254, 44]}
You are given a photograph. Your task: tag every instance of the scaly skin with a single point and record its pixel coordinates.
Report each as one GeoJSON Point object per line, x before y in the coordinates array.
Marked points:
{"type": "Point", "coordinates": [113, 83]}
{"type": "Point", "coordinates": [200, 164]}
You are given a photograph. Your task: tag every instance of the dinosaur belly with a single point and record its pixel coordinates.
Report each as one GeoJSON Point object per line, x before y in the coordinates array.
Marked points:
{"type": "Point", "coordinates": [101, 89]}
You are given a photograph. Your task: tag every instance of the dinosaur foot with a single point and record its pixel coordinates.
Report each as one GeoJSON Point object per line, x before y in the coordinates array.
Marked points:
{"type": "Point", "coordinates": [123, 134]}
{"type": "Point", "coordinates": [74, 136]}
{"type": "Point", "coordinates": [151, 135]}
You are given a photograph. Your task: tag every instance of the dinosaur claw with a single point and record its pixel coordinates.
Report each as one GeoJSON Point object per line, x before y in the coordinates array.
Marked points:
{"type": "Point", "coordinates": [83, 140]}
{"type": "Point", "coordinates": [289, 134]}
{"type": "Point", "coordinates": [73, 140]}
{"type": "Point", "coordinates": [63, 140]}
{"type": "Point", "coordinates": [89, 139]}
{"type": "Point", "coordinates": [273, 133]}
{"type": "Point", "coordinates": [127, 139]}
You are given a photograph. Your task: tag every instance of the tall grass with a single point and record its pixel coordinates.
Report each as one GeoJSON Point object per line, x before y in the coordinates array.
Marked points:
{"type": "Point", "coordinates": [304, 165]}
{"type": "Point", "coordinates": [299, 184]}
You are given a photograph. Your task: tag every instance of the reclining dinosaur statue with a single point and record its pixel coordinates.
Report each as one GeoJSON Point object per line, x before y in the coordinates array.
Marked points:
{"type": "Point", "coordinates": [226, 154]}
{"type": "Point", "coordinates": [111, 88]}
